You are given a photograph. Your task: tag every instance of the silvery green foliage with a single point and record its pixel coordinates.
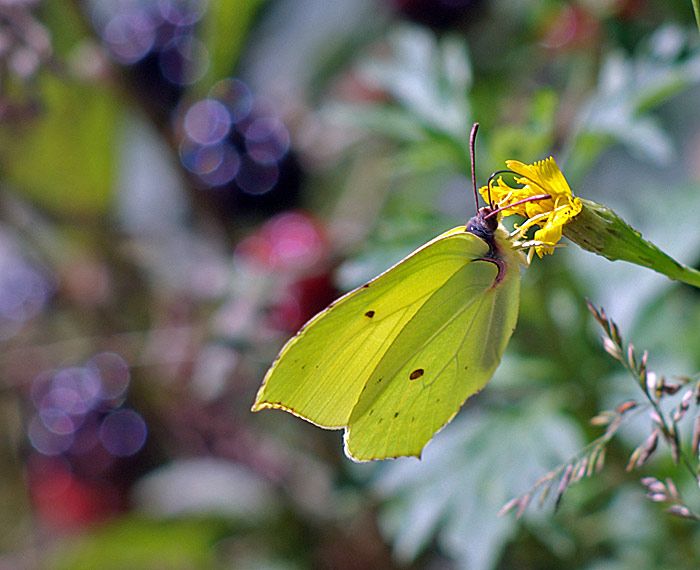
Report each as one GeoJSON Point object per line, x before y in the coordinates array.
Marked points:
{"type": "Point", "coordinates": [629, 87]}
{"type": "Point", "coordinates": [454, 494]}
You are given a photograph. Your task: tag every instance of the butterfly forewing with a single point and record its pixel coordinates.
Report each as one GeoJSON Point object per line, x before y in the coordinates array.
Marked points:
{"type": "Point", "coordinates": [320, 373]}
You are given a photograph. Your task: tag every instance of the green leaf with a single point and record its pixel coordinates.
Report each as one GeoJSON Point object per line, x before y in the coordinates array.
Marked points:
{"type": "Point", "coordinates": [224, 31]}
{"type": "Point", "coordinates": [630, 87]}
{"type": "Point", "coordinates": [531, 141]}
{"type": "Point", "coordinates": [63, 159]}
{"type": "Point", "coordinates": [142, 544]}
{"type": "Point", "coordinates": [389, 121]}
{"type": "Point", "coordinates": [429, 79]}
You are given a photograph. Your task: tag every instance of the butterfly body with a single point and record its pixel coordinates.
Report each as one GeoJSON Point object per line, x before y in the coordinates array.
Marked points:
{"type": "Point", "coordinates": [484, 225]}
{"type": "Point", "coordinates": [392, 361]}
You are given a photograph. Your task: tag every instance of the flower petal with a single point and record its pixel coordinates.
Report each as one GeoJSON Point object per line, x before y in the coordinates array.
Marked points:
{"type": "Point", "coordinates": [550, 214]}
{"type": "Point", "coordinates": [545, 174]}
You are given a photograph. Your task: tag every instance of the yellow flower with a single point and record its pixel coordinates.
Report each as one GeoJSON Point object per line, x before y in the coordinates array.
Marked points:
{"type": "Point", "coordinates": [549, 214]}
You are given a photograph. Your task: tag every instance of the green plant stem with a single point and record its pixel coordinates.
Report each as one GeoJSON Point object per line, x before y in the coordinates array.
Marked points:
{"type": "Point", "coordinates": [600, 230]}
{"type": "Point", "coordinates": [696, 9]}
{"type": "Point", "coordinates": [641, 381]}
{"type": "Point", "coordinates": [682, 273]}
{"type": "Point", "coordinates": [683, 458]}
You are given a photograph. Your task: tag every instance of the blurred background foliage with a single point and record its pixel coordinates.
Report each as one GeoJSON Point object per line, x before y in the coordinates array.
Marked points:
{"type": "Point", "coordinates": [184, 182]}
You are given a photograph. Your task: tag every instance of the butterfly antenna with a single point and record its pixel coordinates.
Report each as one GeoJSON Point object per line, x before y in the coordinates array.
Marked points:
{"type": "Point", "coordinates": [497, 173]}
{"type": "Point", "coordinates": [472, 139]}
{"type": "Point", "coordinates": [523, 201]}
{"type": "Point", "coordinates": [490, 181]}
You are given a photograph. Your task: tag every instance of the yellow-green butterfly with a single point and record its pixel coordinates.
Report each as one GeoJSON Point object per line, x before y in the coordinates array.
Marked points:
{"type": "Point", "coordinates": [392, 361]}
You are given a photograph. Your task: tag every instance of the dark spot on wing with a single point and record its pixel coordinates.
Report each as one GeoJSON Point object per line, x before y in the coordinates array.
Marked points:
{"type": "Point", "coordinates": [365, 286]}
{"type": "Point", "coordinates": [369, 314]}
{"type": "Point", "coordinates": [417, 373]}
{"type": "Point", "coordinates": [379, 381]}
{"type": "Point", "coordinates": [396, 415]}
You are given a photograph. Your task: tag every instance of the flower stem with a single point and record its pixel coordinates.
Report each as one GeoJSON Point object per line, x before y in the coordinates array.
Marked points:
{"type": "Point", "coordinates": [667, 433]}
{"type": "Point", "coordinates": [600, 230]}
{"type": "Point", "coordinates": [639, 372]}
{"type": "Point", "coordinates": [696, 9]}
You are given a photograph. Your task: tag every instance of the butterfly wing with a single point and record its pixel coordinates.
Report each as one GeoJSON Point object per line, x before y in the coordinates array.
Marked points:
{"type": "Point", "coordinates": [447, 352]}
{"type": "Point", "coordinates": [351, 365]}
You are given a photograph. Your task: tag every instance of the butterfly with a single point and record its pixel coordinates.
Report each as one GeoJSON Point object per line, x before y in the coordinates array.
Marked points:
{"type": "Point", "coordinates": [392, 361]}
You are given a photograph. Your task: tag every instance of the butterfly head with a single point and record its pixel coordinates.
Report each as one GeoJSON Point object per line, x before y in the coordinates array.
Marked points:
{"type": "Point", "coordinates": [484, 224]}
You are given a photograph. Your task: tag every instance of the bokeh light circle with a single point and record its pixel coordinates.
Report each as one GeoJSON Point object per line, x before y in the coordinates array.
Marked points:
{"type": "Point", "coordinates": [46, 441]}
{"type": "Point", "coordinates": [296, 241]}
{"type": "Point", "coordinates": [182, 12]}
{"type": "Point", "coordinates": [267, 140]}
{"type": "Point", "coordinates": [41, 386]}
{"type": "Point", "coordinates": [130, 35]}
{"type": "Point", "coordinates": [184, 60]}
{"type": "Point", "coordinates": [256, 178]}
{"type": "Point", "coordinates": [236, 96]}
{"type": "Point", "coordinates": [65, 400]}
{"type": "Point", "coordinates": [113, 372]}
{"type": "Point", "coordinates": [200, 159]}
{"type": "Point", "coordinates": [57, 421]}
{"type": "Point", "coordinates": [84, 383]}
{"type": "Point", "coordinates": [23, 289]}
{"type": "Point", "coordinates": [123, 432]}
{"type": "Point", "coordinates": [227, 168]}
{"type": "Point", "coordinates": [207, 122]}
